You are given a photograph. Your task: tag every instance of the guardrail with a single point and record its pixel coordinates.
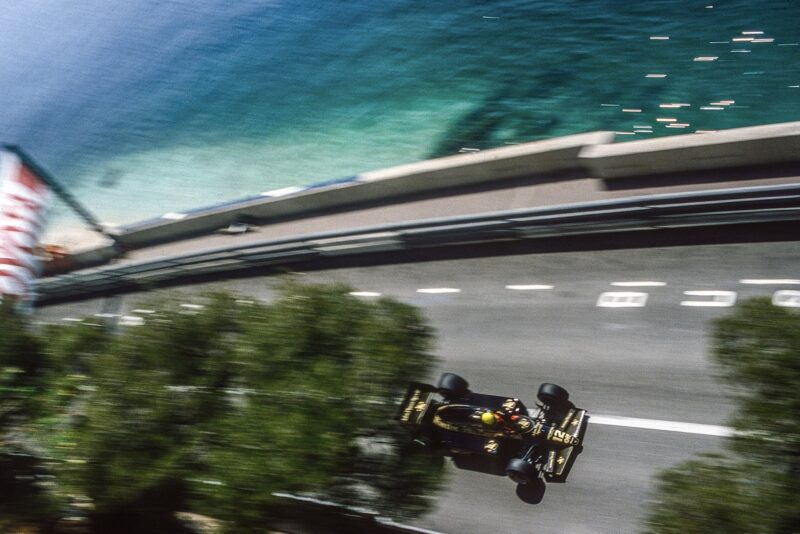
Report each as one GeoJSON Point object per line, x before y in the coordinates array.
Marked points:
{"type": "Point", "coordinates": [653, 212]}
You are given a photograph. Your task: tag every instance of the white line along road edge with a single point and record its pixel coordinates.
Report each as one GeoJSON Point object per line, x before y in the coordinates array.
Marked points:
{"type": "Point", "coordinates": [656, 424]}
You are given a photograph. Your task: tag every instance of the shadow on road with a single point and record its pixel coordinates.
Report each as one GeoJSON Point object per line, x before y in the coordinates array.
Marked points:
{"type": "Point", "coordinates": [532, 493]}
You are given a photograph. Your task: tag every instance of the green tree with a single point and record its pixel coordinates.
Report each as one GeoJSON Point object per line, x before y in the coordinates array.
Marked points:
{"type": "Point", "coordinates": [23, 366]}
{"type": "Point", "coordinates": [319, 374]}
{"type": "Point", "coordinates": [755, 486]}
{"type": "Point", "coordinates": [214, 409]}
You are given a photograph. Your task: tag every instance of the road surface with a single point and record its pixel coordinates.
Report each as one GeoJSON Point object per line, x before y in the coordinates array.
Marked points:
{"type": "Point", "coordinates": [508, 323]}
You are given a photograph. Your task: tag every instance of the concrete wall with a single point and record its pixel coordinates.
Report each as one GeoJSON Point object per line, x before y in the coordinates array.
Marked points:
{"type": "Point", "coordinates": [738, 147]}
{"type": "Point", "coordinates": [593, 152]}
{"type": "Point", "coordinates": [542, 157]}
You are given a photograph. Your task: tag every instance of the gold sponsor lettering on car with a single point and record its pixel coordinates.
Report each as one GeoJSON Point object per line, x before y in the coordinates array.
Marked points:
{"type": "Point", "coordinates": [510, 404]}
{"type": "Point", "coordinates": [559, 436]}
{"type": "Point", "coordinates": [410, 407]}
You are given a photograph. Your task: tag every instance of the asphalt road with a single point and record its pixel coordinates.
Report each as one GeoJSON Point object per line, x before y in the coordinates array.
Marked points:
{"type": "Point", "coordinates": [647, 362]}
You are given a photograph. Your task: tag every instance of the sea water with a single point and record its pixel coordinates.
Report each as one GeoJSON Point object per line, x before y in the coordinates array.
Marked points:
{"type": "Point", "coordinates": [150, 106]}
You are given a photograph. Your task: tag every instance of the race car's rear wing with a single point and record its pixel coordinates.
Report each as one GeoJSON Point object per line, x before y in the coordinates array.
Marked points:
{"type": "Point", "coordinates": [559, 462]}
{"type": "Point", "coordinates": [416, 403]}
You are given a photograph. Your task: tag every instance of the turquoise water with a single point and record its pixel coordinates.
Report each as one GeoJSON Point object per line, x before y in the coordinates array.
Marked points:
{"type": "Point", "coordinates": [153, 106]}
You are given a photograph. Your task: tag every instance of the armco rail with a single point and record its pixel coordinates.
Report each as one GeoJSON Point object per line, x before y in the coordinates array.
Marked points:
{"type": "Point", "coordinates": [709, 208]}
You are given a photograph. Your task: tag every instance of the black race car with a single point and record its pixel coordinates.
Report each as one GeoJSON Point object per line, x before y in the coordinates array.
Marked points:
{"type": "Point", "coordinates": [497, 434]}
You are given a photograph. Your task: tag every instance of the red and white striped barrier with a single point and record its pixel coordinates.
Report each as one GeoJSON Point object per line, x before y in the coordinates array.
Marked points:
{"type": "Point", "coordinates": [23, 202]}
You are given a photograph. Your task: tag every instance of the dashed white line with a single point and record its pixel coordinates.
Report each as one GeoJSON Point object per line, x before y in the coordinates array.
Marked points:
{"type": "Point", "coordinates": [642, 283]}
{"type": "Point", "coordinates": [770, 281]}
{"type": "Point", "coordinates": [529, 287]}
{"type": "Point", "coordinates": [622, 299]}
{"type": "Point", "coordinates": [131, 320]}
{"type": "Point", "coordinates": [718, 299]}
{"type": "Point", "coordinates": [786, 299]}
{"type": "Point", "coordinates": [365, 293]}
{"type": "Point", "coordinates": [438, 290]}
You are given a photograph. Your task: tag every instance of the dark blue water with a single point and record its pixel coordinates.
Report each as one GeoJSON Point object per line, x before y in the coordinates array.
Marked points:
{"type": "Point", "coordinates": [150, 106]}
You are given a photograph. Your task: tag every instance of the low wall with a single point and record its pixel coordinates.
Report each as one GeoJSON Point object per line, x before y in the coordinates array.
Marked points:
{"type": "Point", "coordinates": [542, 157]}
{"type": "Point", "coordinates": [738, 147]}
{"type": "Point", "coordinates": [593, 153]}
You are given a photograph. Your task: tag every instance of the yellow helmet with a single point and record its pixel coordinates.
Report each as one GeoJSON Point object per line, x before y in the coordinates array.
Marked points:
{"type": "Point", "coordinates": [488, 419]}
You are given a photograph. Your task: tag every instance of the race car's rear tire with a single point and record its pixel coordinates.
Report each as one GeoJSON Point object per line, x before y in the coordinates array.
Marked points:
{"type": "Point", "coordinates": [552, 395]}
{"type": "Point", "coordinates": [520, 471]}
{"type": "Point", "coordinates": [451, 385]}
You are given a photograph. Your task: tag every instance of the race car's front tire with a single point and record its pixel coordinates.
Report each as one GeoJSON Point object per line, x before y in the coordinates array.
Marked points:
{"type": "Point", "coordinates": [552, 395]}
{"type": "Point", "coordinates": [520, 471]}
{"type": "Point", "coordinates": [451, 385]}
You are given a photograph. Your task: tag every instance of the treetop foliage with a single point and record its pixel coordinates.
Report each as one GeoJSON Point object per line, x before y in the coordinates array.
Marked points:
{"type": "Point", "coordinates": [754, 485]}
{"type": "Point", "coordinates": [215, 408]}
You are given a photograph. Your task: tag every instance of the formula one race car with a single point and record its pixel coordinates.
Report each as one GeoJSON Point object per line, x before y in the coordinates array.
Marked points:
{"type": "Point", "coordinates": [497, 434]}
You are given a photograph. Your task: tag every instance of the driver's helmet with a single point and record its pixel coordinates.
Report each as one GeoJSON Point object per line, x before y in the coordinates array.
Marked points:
{"type": "Point", "coordinates": [488, 419]}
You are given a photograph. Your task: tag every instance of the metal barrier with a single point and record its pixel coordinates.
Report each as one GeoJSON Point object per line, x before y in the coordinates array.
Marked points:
{"type": "Point", "coordinates": [708, 208]}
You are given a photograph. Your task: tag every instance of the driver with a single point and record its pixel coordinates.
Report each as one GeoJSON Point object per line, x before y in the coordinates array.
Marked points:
{"type": "Point", "coordinates": [498, 420]}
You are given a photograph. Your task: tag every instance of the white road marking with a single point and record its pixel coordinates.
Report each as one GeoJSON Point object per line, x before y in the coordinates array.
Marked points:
{"type": "Point", "coordinates": [131, 320]}
{"type": "Point", "coordinates": [529, 287]}
{"type": "Point", "coordinates": [719, 299]}
{"type": "Point", "coordinates": [786, 298]}
{"type": "Point", "coordinates": [365, 294]}
{"type": "Point", "coordinates": [642, 283]}
{"type": "Point", "coordinates": [141, 310]}
{"type": "Point", "coordinates": [71, 319]}
{"type": "Point", "coordinates": [357, 509]}
{"type": "Point", "coordinates": [770, 281]}
{"type": "Point", "coordinates": [657, 424]}
{"type": "Point", "coordinates": [622, 299]}
{"type": "Point", "coordinates": [438, 290]}
{"type": "Point", "coordinates": [193, 306]}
